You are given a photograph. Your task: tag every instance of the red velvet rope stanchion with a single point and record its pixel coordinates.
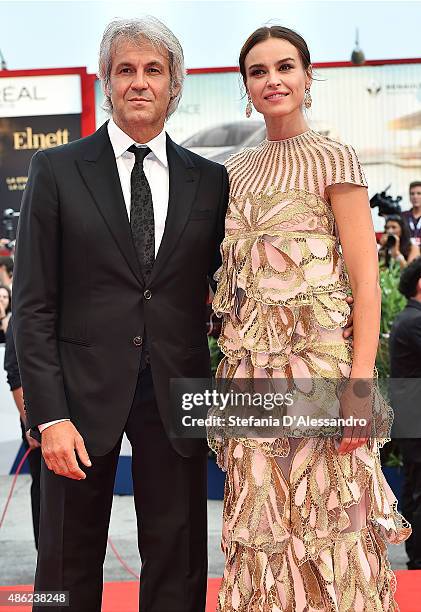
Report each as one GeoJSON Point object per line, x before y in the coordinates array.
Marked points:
{"type": "Point", "coordinates": [9, 497]}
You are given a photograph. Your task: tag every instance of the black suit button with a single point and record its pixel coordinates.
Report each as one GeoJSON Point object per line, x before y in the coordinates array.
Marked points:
{"type": "Point", "coordinates": [147, 294]}
{"type": "Point", "coordinates": [138, 340]}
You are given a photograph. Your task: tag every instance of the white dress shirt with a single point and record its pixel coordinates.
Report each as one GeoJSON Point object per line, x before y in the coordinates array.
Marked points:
{"type": "Point", "coordinates": [156, 170]}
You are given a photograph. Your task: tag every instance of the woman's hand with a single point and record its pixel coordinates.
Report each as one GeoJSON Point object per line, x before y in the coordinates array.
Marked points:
{"type": "Point", "coordinates": [356, 400]}
{"type": "Point", "coordinates": [395, 250]}
{"type": "Point", "coordinates": [349, 327]}
{"type": "Point", "coordinates": [383, 239]}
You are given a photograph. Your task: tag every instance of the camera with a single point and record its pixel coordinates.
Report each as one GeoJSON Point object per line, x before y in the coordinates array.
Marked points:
{"type": "Point", "coordinates": [386, 204]}
{"type": "Point", "coordinates": [391, 241]}
{"type": "Point", "coordinates": [9, 222]}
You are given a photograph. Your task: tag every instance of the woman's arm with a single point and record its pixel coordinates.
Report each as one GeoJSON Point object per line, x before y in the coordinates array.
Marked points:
{"type": "Point", "coordinates": [353, 218]}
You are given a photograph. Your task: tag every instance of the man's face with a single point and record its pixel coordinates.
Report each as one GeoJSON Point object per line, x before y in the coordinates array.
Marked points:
{"type": "Point", "coordinates": [140, 85]}
{"type": "Point", "coordinates": [415, 196]}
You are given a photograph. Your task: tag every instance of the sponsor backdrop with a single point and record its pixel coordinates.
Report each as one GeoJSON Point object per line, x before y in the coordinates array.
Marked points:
{"type": "Point", "coordinates": [20, 137]}
{"type": "Point", "coordinates": [375, 107]}
{"type": "Point", "coordinates": [36, 112]}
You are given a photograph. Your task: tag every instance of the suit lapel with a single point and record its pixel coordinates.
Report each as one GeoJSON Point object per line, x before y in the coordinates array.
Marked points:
{"type": "Point", "coordinates": [183, 183]}
{"type": "Point", "coordinates": [99, 171]}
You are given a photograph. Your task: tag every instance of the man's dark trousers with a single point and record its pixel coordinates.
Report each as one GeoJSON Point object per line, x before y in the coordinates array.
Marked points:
{"type": "Point", "coordinates": [405, 387]}
{"type": "Point", "coordinates": [411, 498]}
{"type": "Point", "coordinates": [170, 501]}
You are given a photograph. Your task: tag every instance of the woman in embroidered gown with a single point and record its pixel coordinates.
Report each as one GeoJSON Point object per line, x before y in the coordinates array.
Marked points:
{"type": "Point", "coordinates": [306, 519]}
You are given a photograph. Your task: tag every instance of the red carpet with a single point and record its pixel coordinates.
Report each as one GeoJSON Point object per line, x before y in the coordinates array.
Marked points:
{"type": "Point", "coordinates": [122, 596]}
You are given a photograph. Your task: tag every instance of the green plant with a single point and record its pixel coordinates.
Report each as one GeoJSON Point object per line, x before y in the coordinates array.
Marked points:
{"type": "Point", "coordinates": [392, 300]}
{"type": "Point", "coordinates": [216, 356]}
{"type": "Point", "coordinates": [391, 455]}
{"type": "Point", "coordinates": [215, 353]}
{"type": "Point", "coordinates": [392, 303]}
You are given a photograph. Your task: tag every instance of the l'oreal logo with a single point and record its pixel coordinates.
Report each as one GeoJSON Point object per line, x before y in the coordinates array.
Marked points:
{"type": "Point", "coordinates": [11, 94]}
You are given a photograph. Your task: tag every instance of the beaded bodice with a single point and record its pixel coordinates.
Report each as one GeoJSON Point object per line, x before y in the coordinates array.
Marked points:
{"type": "Point", "coordinates": [309, 162]}
{"type": "Point", "coordinates": [280, 247]}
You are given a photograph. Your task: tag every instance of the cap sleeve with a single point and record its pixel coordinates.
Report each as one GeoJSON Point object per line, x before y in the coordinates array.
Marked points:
{"type": "Point", "coordinates": [344, 167]}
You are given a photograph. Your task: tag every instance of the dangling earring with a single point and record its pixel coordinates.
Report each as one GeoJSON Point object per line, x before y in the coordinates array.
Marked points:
{"type": "Point", "coordinates": [249, 108]}
{"type": "Point", "coordinates": [307, 98]}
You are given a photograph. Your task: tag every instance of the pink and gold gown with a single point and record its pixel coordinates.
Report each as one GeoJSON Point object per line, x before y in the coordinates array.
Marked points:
{"type": "Point", "coordinates": [304, 528]}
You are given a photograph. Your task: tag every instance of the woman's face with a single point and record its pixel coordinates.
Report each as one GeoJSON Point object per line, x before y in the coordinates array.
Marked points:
{"type": "Point", "coordinates": [4, 298]}
{"type": "Point", "coordinates": [393, 227]}
{"type": "Point", "coordinates": [276, 80]}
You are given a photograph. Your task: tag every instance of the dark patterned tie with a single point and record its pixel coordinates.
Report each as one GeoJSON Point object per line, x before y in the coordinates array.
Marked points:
{"type": "Point", "coordinates": [141, 213]}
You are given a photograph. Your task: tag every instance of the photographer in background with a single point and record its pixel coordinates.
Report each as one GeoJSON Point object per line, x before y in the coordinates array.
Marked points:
{"type": "Point", "coordinates": [413, 216]}
{"type": "Point", "coordinates": [395, 243]}
{"type": "Point", "coordinates": [405, 375]}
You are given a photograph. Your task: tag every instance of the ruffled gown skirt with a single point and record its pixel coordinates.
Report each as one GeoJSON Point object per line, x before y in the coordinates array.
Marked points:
{"type": "Point", "coordinates": [305, 529]}
{"type": "Point", "coordinates": [312, 540]}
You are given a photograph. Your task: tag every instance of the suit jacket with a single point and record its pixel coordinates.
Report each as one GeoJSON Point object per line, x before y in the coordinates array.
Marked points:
{"type": "Point", "coordinates": [405, 342]}
{"type": "Point", "coordinates": [405, 379]}
{"type": "Point", "coordinates": [10, 359]}
{"type": "Point", "coordinates": [80, 304]}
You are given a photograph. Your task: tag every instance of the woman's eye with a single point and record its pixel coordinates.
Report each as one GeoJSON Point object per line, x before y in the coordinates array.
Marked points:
{"type": "Point", "coordinates": [257, 71]}
{"type": "Point", "coordinates": [285, 67]}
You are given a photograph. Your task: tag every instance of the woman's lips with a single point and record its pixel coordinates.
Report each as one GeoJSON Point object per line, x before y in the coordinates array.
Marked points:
{"type": "Point", "coordinates": [276, 96]}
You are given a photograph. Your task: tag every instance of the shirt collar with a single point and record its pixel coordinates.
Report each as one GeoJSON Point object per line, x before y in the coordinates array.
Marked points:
{"type": "Point", "coordinates": [120, 141]}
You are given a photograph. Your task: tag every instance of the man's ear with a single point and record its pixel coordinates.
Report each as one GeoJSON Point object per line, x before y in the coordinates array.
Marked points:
{"type": "Point", "coordinates": [175, 91]}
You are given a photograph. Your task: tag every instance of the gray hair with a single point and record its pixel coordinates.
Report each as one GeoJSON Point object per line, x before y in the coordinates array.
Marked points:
{"type": "Point", "coordinates": [156, 33]}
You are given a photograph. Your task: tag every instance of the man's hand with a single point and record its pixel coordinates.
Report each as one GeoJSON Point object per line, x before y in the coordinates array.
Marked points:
{"type": "Point", "coordinates": [58, 444]}
{"type": "Point", "coordinates": [31, 441]}
{"type": "Point", "coordinates": [349, 327]}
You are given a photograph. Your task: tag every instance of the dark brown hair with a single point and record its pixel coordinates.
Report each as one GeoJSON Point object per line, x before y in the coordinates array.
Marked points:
{"type": "Point", "coordinates": [414, 184]}
{"type": "Point", "coordinates": [262, 34]}
{"type": "Point", "coordinates": [409, 278]}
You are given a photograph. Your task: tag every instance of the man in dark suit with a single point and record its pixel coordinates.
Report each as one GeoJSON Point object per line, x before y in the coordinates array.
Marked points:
{"type": "Point", "coordinates": [405, 387]}
{"type": "Point", "coordinates": [118, 235]}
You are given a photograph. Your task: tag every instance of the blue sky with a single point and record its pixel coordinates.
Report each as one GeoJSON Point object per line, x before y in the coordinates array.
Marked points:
{"type": "Point", "coordinates": [36, 34]}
